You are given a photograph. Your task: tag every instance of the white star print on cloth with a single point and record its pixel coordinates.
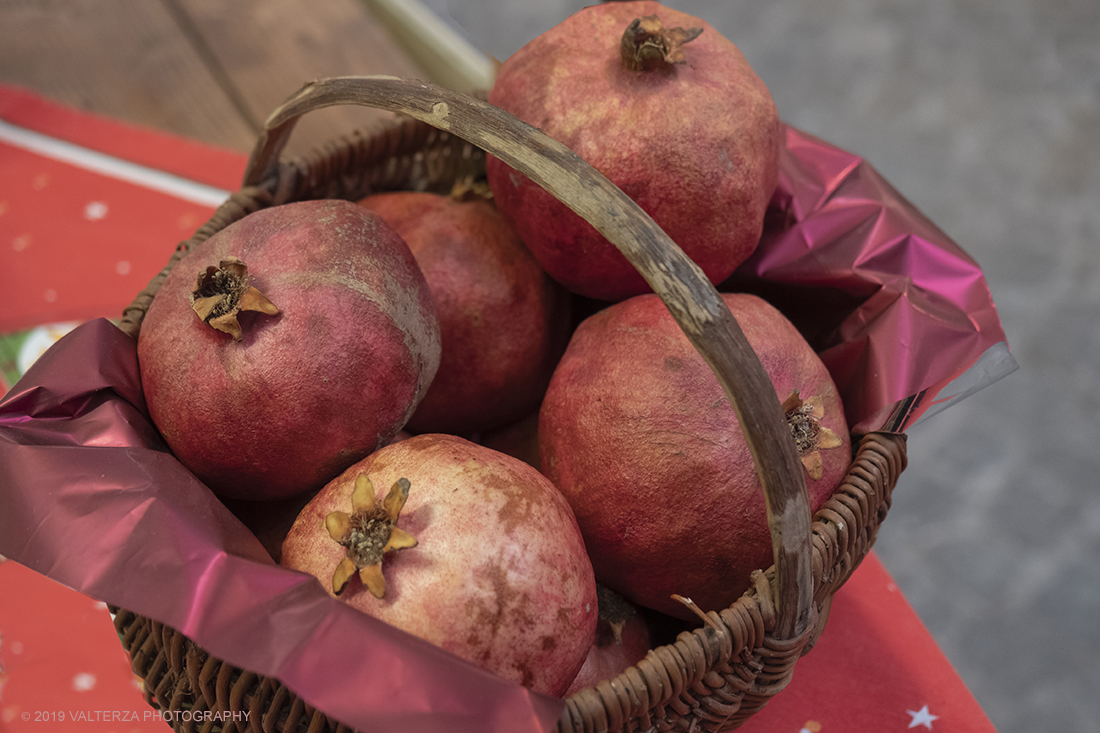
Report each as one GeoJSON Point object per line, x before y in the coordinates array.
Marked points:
{"type": "Point", "coordinates": [922, 717]}
{"type": "Point", "coordinates": [83, 682]}
{"type": "Point", "coordinates": [95, 210]}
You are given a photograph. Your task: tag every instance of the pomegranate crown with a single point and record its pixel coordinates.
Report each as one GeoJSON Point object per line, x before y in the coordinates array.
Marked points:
{"type": "Point", "coordinates": [222, 292]}
{"type": "Point", "coordinates": [368, 533]}
{"type": "Point", "coordinates": [647, 44]}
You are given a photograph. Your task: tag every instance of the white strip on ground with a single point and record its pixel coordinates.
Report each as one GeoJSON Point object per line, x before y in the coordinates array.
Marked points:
{"type": "Point", "coordinates": [106, 165]}
{"type": "Point", "coordinates": [438, 49]}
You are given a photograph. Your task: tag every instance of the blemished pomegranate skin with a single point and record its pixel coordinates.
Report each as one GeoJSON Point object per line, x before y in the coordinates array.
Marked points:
{"type": "Point", "coordinates": [498, 575]}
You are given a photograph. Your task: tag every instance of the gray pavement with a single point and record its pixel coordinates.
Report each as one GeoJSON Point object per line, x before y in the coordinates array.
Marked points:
{"type": "Point", "coordinates": [986, 115]}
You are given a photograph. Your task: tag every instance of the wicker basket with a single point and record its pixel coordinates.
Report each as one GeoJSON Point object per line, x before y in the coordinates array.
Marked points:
{"type": "Point", "coordinates": [711, 678]}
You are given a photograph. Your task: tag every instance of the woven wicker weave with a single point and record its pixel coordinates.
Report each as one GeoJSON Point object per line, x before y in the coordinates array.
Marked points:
{"type": "Point", "coordinates": [710, 679]}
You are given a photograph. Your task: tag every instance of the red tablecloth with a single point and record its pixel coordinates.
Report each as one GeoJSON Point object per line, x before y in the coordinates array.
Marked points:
{"type": "Point", "coordinates": [86, 219]}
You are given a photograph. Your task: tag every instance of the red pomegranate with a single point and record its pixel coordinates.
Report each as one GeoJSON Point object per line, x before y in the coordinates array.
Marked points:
{"type": "Point", "coordinates": [286, 347]}
{"type": "Point", "coordinates": [665, 107]}
{"type": "Point", "coordinates": [639, 436]}
{"type": "Point", "coordinates": [503, 321]}
{"type": "Point", "coordinates": [473, 550]}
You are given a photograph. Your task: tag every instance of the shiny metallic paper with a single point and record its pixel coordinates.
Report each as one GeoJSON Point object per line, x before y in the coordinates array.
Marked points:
{"type": "Point", "coordinates": [898, 312]}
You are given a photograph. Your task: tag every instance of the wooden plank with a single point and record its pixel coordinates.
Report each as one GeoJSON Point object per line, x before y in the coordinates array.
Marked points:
{"type": "Point", "coordinates": [270, 48]}
{"type": "Point", "coordinates": [128, 60]}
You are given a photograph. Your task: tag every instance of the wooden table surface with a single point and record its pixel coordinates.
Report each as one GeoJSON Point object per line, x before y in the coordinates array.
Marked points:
{"type": "Point", "coordinates": [206, 69]}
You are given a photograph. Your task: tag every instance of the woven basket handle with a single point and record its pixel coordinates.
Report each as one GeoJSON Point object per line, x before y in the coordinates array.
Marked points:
{"type": "Point", "coordinates": [681, 285]}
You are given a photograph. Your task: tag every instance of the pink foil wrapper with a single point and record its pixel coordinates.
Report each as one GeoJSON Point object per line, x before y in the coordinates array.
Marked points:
{"type": "Point", "coordinates": [91, 496]}
{"type": "Point", "coordinates": [900, 314]}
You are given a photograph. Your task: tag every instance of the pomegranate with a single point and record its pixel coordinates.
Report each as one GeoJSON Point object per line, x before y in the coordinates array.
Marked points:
{"type": "Point", "coordinates": [665, 107]}
{"type": "Point", "coordinates": [639, 436]}
{"type": "Point", "coordinates": [504, 322]}
{"type": "Point", "coordinates": [286, 347]}
{"type": "Point", "coordinates": [622, 640]}
{"type": "Point", "coordinates": [473, 550]}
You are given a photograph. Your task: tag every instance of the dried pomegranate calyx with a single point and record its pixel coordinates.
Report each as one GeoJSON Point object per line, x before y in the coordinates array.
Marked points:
{"type": "Point", "coordinates": [810, 436]}
{"type": "Point", "coordinates": [647, 44]}
{"type": "Point", "coordinates": [368, 533]}
{"type": "Point", "coordinates": [614, 609]}
{"type": "Point", "coordinates": [223, 291]}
